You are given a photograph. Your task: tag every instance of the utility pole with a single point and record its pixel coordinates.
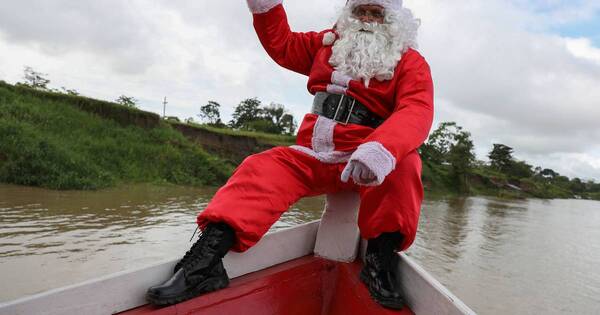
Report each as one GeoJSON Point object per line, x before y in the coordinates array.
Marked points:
{"type": "Point", "coordinates": [164, 107]}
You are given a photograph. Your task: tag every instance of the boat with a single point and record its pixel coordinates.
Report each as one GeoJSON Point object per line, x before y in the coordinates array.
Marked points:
{"type": "Point", "coordinates": [308, 269]}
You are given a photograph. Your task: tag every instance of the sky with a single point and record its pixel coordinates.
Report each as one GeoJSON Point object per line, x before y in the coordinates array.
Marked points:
{"type": "Point", "coordinates": [525, 73]}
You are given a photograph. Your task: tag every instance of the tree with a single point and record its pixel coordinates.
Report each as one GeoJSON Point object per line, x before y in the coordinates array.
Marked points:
{"type": "Point", "coordinates": [274, 113]}
{"type": "Point", "coordinates": [127, 101]}
{"type": "Point", "coordinates": [249, 115]}
{"type": "Point", "coordinates": [450, 144]}
{"type": "Point", "coordinates": [282, 121]}
{"type": "Point", "coordinates": [288, 124]}
{"type": "Point", "coordinates": [549, 173]}
{"type": "Point", "coordinates": [501, 157]}
{"type": "Point", "coordinates": [35, 79]}
{"type": "Point", "coordinates": [577, 186]}
{"type": "Point", "coordinates": [72, 92]}
{"type": "Point", "coordinates": [461, 158]}
{"type": "Point", "coordinates": [263, 125]}
{"type": "Point", "coordinates": [520, 169]}
{"type": "Point", "coordinates": [437, 147]}
{"type": "Point", "coordinates": [211, 113]}
{"type": "Point", "coordinates": [247, 111]}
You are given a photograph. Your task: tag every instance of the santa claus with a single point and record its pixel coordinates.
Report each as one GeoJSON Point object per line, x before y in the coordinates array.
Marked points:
{"type": "Point", "coordinates": [373, 107]}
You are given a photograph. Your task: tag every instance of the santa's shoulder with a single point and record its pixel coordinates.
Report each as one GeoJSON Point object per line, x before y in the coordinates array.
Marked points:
{"type": "Point", "coordinates": [412, 58]}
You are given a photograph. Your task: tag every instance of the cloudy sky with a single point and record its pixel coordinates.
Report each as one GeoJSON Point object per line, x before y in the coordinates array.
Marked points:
{"type": "Point", "coordinates": [525, 73]}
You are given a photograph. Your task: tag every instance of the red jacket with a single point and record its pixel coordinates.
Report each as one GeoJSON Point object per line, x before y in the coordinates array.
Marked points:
{"type": "Point", "coordinates": [405, 101]}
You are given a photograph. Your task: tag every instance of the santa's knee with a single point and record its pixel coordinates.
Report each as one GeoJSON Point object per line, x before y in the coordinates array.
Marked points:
{"type": "Point", "coordinates": [409, 166]}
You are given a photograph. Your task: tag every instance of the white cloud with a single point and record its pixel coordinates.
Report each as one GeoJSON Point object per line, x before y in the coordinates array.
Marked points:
{"type": "Point", "coordinates": [583, 48]}
{"type": "Point", "coordinates": [498, 71]}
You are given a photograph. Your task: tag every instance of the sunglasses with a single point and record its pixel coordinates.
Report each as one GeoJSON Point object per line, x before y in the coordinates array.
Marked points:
{"type": "Point", "coordinates": [377, 13]}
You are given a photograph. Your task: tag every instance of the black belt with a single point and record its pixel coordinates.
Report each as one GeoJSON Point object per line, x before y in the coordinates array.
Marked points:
{"type": "Point", "coordinates": [344, 109]}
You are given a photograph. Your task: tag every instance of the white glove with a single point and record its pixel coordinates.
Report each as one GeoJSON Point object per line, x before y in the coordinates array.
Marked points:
{"type": "Point", "coordinates": [369, 164]}
{"type": "Point", "coordinates": [262, 6]}
{"type": "Point", "coordinates": [360, 173]}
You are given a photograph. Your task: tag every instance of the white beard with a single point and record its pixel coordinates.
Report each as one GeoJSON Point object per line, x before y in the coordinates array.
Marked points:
{"type": "Point", "coordinates": [371, 50]}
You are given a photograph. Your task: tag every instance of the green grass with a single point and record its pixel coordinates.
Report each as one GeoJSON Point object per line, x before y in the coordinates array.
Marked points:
{"type": "Point", "coordinates": [593, 196]}
{"type": "Point", "coordinates": [50, 143]}
{"type": "Point", "coordinates": [123, 115]}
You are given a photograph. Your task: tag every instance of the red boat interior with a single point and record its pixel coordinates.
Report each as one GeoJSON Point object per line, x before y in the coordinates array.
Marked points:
{"type": "Point", "coordinates": [304, 286]}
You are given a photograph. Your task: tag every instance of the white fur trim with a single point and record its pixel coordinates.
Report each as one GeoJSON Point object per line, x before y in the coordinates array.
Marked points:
{"type": "Point", "coordinates": [328, 39]}
{"type": "Point", "coordinates": [332, 157]}
{"type": "Point", "coordinates": [388, 4]}
{"type": "Point", "coordinates": [339, 78]}
{"type": "Point", "coordinates": [377, 158]}
{"type": "Point", "coordinates": [262, 6]}
{"type": "Point", "coordinates": [336, 89]}
{"type": "Point", "coordinates": [322, 139]}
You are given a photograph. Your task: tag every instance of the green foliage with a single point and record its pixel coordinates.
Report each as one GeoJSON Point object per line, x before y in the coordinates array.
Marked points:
{"type": "Point", "coordinates": [461, 158]}
{"type": "Point", "coordinates": [247, 111]}
{"type": "Point", "coordinates": [544, 189]}
{"type": "Point", "coordinates": [210, 113]}
{"type": "Point", "coordinates": [450, 144]}
{"type": "Point", "coordinates": [50, 143]}
{"type": "Point", "coordinates": [437, 178]}
{"type": "Point", "coordinates": [577, 186]}
{"type": "Point", "coordinates": [593, 196]}
{"type": "Point", "coordinates": [250, 116]}
{"type": "Point", "coordinates": [501, 157]}
{"type": "Point", "coordinates": [450, 165]}
{"type": "Point", "coordinates": [288, 124]}
{"type": "Point", "coordinates": [127, 101]}
{"type": "Point", "coordinates": [125, 116]}
{"type": "Point", "coordinates": [519, 169]}
{"type": "Point", "coordinates": [262, 125]}
{"type": "Point", "coordinates": [438, 144]}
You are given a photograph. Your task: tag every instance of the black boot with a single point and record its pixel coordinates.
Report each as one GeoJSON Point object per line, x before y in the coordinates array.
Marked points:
{"type": "Point", "coordinates": [201, 269]}
{"type": "Point", "coordinates": [379, 272]}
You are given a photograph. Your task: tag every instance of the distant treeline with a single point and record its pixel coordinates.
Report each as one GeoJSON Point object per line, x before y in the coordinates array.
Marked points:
{"type": "Point", "coordinates": [450, 164]}
{"type": "Point", "coordinates": [250, 115]}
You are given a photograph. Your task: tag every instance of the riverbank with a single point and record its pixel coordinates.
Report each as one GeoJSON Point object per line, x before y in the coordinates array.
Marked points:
{"type": "Point", "coordinates": [482, 181]}
{"type": "Point", "coordinates": [60, 141]}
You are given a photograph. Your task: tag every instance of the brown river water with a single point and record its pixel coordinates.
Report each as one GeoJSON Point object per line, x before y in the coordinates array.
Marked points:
{"type": "Point", "coordinates": [498, 256]}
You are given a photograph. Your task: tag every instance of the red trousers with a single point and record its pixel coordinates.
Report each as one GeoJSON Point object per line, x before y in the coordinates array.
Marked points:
{"type": "Point", "coordinates": [266, 184]}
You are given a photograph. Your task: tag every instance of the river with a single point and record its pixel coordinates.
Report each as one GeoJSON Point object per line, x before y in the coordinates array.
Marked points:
{"type": "Point", "coordinates": [500, 257]}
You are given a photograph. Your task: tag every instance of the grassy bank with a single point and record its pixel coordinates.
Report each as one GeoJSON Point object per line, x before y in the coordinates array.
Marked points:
{"type": "Point", "coordinates": [47, 141]}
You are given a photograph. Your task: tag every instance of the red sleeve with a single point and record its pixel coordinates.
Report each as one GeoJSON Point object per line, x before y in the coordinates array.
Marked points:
{"type": "Point", "coordinates": [292, 50]}
{"type": "Point", "coordinates": [408, 126]}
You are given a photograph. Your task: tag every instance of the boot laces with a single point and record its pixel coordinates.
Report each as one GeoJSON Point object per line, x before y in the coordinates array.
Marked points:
{"type": "Point", "coordinates": [204, 246]}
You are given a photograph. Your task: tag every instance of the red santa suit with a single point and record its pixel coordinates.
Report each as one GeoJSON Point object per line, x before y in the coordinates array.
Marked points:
{"type": "Point", "coordinates": [267, 184]}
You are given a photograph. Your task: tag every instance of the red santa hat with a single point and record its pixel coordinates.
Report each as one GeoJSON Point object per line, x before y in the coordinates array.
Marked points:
{"type": "Point", "coordinates": [386, 4]}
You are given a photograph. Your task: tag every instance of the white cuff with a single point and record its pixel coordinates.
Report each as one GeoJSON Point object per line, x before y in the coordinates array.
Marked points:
{"type": "Point", "coordinates": [262, 6]}
{"type": "Point", "coordinates": [377, 158]}
{"type": "Point", "coordinates": [328, 39]}
{"type": "Point", "coordinates": [341, 79]}
{"type": "Point", "coordinates": [336, 89]}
